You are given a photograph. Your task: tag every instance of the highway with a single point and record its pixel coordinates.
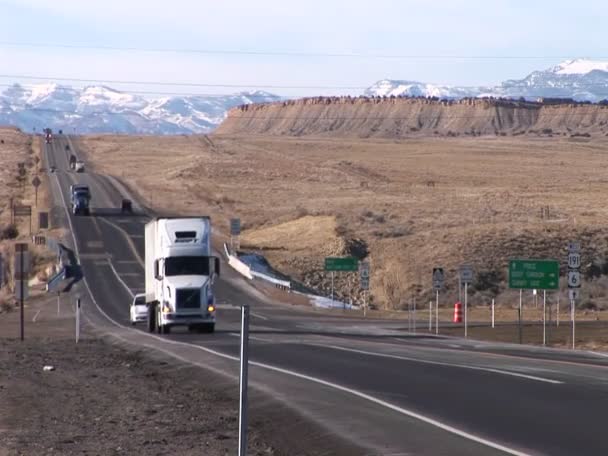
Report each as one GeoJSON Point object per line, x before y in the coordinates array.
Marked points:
{"type": "Point", "coordinates": [367, 385]}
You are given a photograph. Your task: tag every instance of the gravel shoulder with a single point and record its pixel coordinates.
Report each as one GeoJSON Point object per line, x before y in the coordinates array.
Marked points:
{"type": "Point", "coordinates": [104, 399]}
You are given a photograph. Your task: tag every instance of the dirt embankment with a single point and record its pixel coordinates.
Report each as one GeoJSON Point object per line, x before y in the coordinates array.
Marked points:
{"type": "Point", "coordinates": [404, 117]}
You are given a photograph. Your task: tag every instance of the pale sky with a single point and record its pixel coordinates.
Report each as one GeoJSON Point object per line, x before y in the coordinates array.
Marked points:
{"type": "Point", "coordinates": [544, 31]}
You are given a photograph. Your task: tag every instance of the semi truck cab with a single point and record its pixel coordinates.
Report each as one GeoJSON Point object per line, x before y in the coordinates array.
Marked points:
{"type": "Point", "coordinates": [180, 272]}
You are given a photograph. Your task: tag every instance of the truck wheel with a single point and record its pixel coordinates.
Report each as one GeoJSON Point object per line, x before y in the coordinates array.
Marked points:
{"type": "Point", "coordinates": [206, 328]}
{"type": "Point", "coordinates": [151, 318]}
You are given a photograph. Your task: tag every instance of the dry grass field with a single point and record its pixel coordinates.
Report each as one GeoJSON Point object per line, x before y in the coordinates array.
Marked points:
{"type": "Point", "coordinates": [408, 205]}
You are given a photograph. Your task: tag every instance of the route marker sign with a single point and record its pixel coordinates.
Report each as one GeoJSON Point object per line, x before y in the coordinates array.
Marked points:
{"type": "Point", "coordinates": [573, 294]}
{"type": "Point", "coordinates": [438, 278]}
{"type": "Point", "coordinates": [235, 226]}
{"type": "Point", "coordinates": [574, 260]}
{"type": "Point", "coordinates": [534, 274]}
{"type": "Point", "coordinates": [364, 275]}
{"type": "Point", "coordinates": [341, 264]}
{"type": "Point", "coordinates": [465, 272]}
{"type": "Point", "coordinates": [574, 279]}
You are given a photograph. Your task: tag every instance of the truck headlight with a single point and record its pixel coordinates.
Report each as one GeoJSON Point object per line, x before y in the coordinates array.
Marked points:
{"type": "Point", "coordinates": [166, 308]}
{"type": "Point", "coordinates": [210, 308]}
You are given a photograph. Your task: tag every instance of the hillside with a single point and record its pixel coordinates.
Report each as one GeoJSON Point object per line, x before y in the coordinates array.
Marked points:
{"type": "Point", "coordinates": [407, 206]}
{"type": "Point", "coordinates": [395, 117]}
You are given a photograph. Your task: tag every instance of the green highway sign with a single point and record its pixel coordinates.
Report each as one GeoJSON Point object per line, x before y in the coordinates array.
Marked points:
{"type": "Point", "coordinates": [534, 274]}
{"type": "Point", "coordinates": [341, 264]}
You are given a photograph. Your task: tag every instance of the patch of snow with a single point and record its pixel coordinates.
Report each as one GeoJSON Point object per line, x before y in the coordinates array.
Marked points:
{"type": "Point", "coordinates": [327, 303]}
{"type": "Point", "coordinates": [580, 66]}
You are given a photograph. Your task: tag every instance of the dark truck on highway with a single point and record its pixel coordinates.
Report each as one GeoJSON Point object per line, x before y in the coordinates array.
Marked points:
{"type": "Point", "coordinates": [80, 196]}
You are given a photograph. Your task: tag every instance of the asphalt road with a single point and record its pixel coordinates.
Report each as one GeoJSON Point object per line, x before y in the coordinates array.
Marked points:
{"type": "Point", "coordinates": [367, 382]}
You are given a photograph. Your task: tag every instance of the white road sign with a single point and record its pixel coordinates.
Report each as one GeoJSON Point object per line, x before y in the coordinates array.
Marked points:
{"type": "Point", "coordinates": [574, 279]}
{"type": "Point", "coordinates": [574, 246]}
{"type": "Point", "coordinates": [364, 269]}
{"type": "Point", "coordinates": [438, 278]}
{"type": "Point", "coordinates": [364, 282]}
{"type": "Point", "coordinates": [466, 274]}
{"type": "Point", "coordinates": [574, 260]}
{"type": "Point", "coordinates": [573, 294]}
{"type": "Point", "coordinates": [235, 226]}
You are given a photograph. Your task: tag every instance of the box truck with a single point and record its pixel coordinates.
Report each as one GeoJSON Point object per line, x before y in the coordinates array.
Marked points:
{"type": "Point", "coordinates": [180, 272]}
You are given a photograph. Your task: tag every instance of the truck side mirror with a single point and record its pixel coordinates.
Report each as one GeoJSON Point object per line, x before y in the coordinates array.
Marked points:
{"type": "Point", "coordinates": [157, 275]}
{"type": "Point", "coordinates": [214, 266]}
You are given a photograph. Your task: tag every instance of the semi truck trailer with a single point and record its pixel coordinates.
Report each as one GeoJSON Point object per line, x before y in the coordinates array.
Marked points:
{"type": "Point", "coordinates": [180, 272]}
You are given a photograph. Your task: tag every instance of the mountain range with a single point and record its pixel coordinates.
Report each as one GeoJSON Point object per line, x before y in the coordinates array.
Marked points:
{"type": "Point", "coordinates": [580, 79]}
{"type": "Point", "coordinates": [101, 109]}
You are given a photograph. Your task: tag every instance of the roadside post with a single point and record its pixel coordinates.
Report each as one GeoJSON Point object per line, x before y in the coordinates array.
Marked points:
{"type": "Point", "coordinates": [243, 380]}
{"type": "Point", "coordinates": [430, 316]}
{"type": "Point", "coordinates": [438, 283]}
{"type": "Point", "coordinates": [574, 282]}
{"type": "Point", "coordinates": [557, 315]}
{"type": "Point", "coordinates": [36, 183]}
{"type": "Point", "coordinates": [492, 313]}
{"type": "Point", "coordinates": [544, 318]}
{"type": "Point", "coordinates": [58, 302]}
{"type": "Point", "coordinates": [532, 275]}
{"type": "Point", "coordinates": [340, 264]}
{"type": "Point", "coordinates": [414, 315]}
{"type": "Point", "coordinates": [364, 283]}
{"type": "Point", "coordinates": [465, 275]}
{"type": "Point", "coordinates": [77, 319]}
{"type": "Point", "coordinates": [22, 269]}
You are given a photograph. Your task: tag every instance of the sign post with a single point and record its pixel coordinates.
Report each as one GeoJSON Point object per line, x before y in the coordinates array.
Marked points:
{"type": "Point", "coordinates": [430, 316]}
{"type": "Point", "coordinates": [77, 319]}
{"type": "Point", "coordinates": [341, 264]}
{"type": "Point", "coordinates": [243, 380]}
{"type": "Point", "coordinates": [465, 274]}
{"type": "Point", "coordinates": [574, 282]}
{"type": "Point", "coordinates": [36, 183]}
{"type": "Point", "coordinates": [438, 283]}
{"type": "Point", "coordinates": [21, 273]}
{"type": "Point", "coordinates": [364, 283]}
{"type": "Point", "coordinates": [532, 275]}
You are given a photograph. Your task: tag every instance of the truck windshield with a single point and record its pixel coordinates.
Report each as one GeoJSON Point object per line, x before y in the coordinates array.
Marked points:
{"type": "Point", "coordinates": [190, 265]}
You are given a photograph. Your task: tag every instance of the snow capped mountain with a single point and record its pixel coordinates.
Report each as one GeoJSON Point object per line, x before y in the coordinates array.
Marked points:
{"type": "Point", "coordinates": [580, 79]}
{"type": "Point", "coordinates": [387, 88]}
{"type": "Point", "coordinates": [101, 109]}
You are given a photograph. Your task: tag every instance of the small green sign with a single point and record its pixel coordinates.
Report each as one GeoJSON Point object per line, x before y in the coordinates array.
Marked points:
{"type": "Point", "coordinates": [341, 264]}
{"type": "Point", "coordinates": [534, 274]}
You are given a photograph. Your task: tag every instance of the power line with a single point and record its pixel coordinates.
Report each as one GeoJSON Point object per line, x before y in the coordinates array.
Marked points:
{"type": "Point", "coordinates": [175, 84]}
{"type": "Point", "coordinates": [290, 53]}
{"type": "Point", "coordinates": [145, 92]}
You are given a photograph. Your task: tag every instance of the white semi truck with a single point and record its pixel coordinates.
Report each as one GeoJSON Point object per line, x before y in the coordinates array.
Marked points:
{"type": "Point", "coordinates": [180, 272]}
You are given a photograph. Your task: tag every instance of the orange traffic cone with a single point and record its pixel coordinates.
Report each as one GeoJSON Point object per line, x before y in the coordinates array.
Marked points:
{"type": "Point", "coordinates": [457, 313]}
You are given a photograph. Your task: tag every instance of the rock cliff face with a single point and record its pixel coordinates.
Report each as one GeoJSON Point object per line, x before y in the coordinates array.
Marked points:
{"type": "Point", "coordinates": [395, 117]}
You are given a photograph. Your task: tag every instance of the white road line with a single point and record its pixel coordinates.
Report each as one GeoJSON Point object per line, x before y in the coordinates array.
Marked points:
{"type": "Point", "coordinates": [120, 279]}
{"type": "Point", "coordinates": [36, 316]}
{"type": "Point", "coordinates": [251, 337]}
{"type": "Point", "coordinates": [439, 363]}
{"type": "Point", "coordinates": [353, 392]}
{"type": "Point", "coordinates": [261, 317]}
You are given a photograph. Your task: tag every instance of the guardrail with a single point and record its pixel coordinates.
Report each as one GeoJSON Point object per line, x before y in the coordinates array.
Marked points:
{"type": "Point", "coordinates": [55, 280]}
{"type": "Point", "coordinates": [246, 271]}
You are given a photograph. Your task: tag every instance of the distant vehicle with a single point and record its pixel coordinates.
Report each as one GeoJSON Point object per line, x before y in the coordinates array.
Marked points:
{"type": "Point", "coordinates": [80, 197]}
{"type": "Point", "coordinates": [126, 207]}
{"type": "Point", "coordinates": [67, 147]}
{"type": "Point", "coordinates": [79, 167]}
{"type": "Point", "coordinates": [48, 138]}
{"type": "Point", "coordinates": [72, 161]}
{"type": "Point", "coordinates": [179, 274]}
{"type": "Point", "coordinates": [60, 132]}
{"type": "Point", "coordinates": [138, 311]}
{"type": "Point", "coordinates": [52, 169]}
